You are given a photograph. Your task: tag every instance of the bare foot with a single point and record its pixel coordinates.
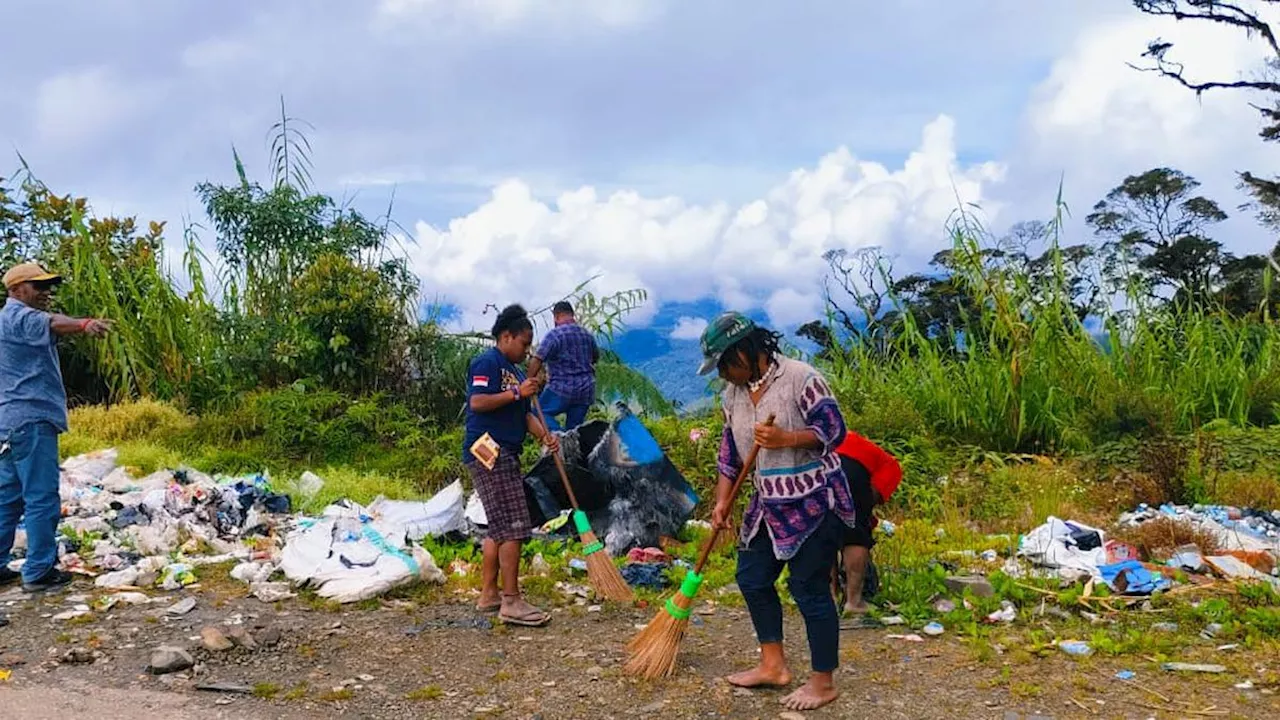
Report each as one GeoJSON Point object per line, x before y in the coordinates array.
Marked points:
{"type": "Point", "coordinates": [859, 608]}
{"type": "Point", "coordinates": [812, 695]}
{"type": "Point", "coordinates": [760, 676]}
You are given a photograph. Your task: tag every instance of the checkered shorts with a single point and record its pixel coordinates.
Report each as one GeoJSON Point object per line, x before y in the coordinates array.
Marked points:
{"type": "Point", "coordinates": [501, 491]}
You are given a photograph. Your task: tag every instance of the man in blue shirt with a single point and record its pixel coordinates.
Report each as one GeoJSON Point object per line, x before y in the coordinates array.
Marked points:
{"type": "Point", "coordinates": [570, 354]}
{"type": "Point", "coordinates": [33, 412]}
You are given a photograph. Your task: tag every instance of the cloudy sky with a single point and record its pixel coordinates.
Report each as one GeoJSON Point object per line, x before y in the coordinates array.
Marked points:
{"type": "Point", "coordinates": [705, 150]}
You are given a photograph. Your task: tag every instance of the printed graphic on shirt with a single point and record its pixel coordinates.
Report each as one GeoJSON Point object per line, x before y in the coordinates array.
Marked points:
{"type": "Point", "coordinates": [509, 380]}
{"type": "Point", "coordinates": [480, 381]}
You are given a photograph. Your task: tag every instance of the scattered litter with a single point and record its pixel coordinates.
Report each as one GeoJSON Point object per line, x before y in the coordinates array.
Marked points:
{"type": "Point", "coordinates": [909, 638]}
{"type": "Point", "coordinates": [269, 592]}
{"type": "Point", "coordinates": [578, 564]}
{"type": "Point", "coordinates": [1192, 667]}
{"type": "Point", "coordinates": [1246, 685]}
{"type": "Point", "coordinates": [933, 629]}
{"type": "Point", "coordinates": [1079, 648]}
{"type": "Point", "coordinates": [77, 611]}
{"type": "Point", "coordinates": [539, 566]}
{"type": "Point", "coordinates": [976, 584]}
{"type": "Point", "coordinates": [1233, 567]}
{"type": "Point", "coordinates": [1187, 557]}
{"type": "Point", "coordinates": [1167, 627]}
{"type": "Point", "coordinates": [1007, 613]}
{"type": "Point", "coordinates": [1228, 648]}
{"type": "Point", "coordinates": [226, 688]}
{"type": "Point", "coordinates": [893, 620]}
{"type": "Point", "coordinates": [645, 575]}
{"type": "Point", "coordinates": [1126, 675]}
{"type": "Point", "coordinates": [1075, 550]}
{"type": "Point", "coordinates": [944, 606]}
{"type": "Point", "coordinates": [887, 527]}
{"type": "Point", "coordinates": [990, 555]}
{"type": "Point", "coordinates": [1211, 631]}
{"type": "Point", "coordinates": [182, 607]}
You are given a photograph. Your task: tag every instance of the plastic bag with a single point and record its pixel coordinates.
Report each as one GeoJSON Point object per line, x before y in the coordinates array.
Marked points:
{"type": "Point", "coordinates": [442, 514]}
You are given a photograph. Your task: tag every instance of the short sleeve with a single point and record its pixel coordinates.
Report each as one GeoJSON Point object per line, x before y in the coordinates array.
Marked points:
{"type": "Point", "coordinates": [30, 327]}
{"type": "Point", "coordinates": [821, 413]}
{"type": "Point", "coordinates": [484, 377]}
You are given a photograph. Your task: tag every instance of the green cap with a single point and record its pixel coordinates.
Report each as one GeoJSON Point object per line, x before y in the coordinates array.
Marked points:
{"type": "Point", "coordinates": [721, 335]}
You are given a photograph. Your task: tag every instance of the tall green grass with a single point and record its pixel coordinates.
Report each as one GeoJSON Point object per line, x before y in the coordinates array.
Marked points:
{"type": "Point", "coordinates": [1031, 377]}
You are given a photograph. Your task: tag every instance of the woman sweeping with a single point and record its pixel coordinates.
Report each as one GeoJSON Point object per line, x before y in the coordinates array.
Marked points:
{"type": "Point", "coordinates": [497, 420]}
{"type": "Point", "coordinates": [800, 510]}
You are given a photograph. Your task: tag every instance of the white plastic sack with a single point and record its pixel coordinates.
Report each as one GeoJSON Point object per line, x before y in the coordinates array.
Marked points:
{"type": "Point", "coordinates": [348, 560]}
{"type": "Point", "coordinates": [441, 515]}
{"type": "Point", "coordinates": [475, 511]}
{"type": "Point", "coordinates": [120, 579]}
{"type": "Point", "coordinates": [1049, 546]}
{"type": "Point", "coordinates": [253, 572]}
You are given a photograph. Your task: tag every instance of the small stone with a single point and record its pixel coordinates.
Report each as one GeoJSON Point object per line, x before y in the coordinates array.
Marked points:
{"type": "Point", "coordinates": [76, 656]}
{"type": "Point", "coordinates": [269, 637]}
{"type": "Point", "coordinates": [213, 639]}
{"type": "Point", "coordinates": [549, 683]}
{"type": "Point", "coordinates": [653, 707]}
{"type": "Point", "coordinates": [365, 678]}
{"type": "Point", "coordinates": [240, 636]}
{"type": "Point", "coordinates": [975, 584]}
{"type": "Point", "coordinates": [790, 716]}
{"type": "Point", "coordinates": [169, 659]}
{"type": "Point", "coordinates": [594, 672]}
{"type": "Point", "coordinates": [594, 609]}
{"type": "Point", "coordinates": [12, 660]}
{"type": "Point", "coordinates": [1165, 627]}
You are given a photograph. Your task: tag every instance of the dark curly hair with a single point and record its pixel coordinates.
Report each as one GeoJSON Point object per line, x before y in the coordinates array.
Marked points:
{"type": "Point", "coordinates": [761, 342]}
{"type": "Point", "coordinates": [512, 319]}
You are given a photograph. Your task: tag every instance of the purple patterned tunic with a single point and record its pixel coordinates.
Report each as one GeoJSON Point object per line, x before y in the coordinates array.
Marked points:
{"type": "Point", "coordinates": [794, 487]}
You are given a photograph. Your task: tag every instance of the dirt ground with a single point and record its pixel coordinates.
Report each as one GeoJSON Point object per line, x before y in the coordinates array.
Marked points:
{"type": "Point", "coordinates": [404, 659]}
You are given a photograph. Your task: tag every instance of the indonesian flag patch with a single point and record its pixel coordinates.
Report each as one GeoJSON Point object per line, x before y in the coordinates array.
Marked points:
{"type": "Point", "coordinates": [480, 381]}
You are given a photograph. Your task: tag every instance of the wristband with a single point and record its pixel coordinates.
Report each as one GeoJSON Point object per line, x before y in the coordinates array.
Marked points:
{"type": "Point", "coordinates": [84, 324]}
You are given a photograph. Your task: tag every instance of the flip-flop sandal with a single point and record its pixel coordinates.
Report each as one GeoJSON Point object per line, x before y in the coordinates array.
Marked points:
{"type": "Point", "coordinates": [533, 619]}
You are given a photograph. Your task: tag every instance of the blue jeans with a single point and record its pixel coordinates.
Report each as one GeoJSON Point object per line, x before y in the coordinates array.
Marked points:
{"type": "Point", "coordinates": [810, 585]}
{"type": "Point", "coordinates": [554, 405]}
{"type": "Point", "coordinates": [29, 476]}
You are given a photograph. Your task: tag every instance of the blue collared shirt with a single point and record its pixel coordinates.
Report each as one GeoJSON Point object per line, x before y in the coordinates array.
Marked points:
{"type": "Point", "coordinates": [31, 388]}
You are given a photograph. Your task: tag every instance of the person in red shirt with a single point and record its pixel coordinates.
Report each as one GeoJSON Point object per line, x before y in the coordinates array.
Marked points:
{"type": "Point", "coordinates": [873, 476]}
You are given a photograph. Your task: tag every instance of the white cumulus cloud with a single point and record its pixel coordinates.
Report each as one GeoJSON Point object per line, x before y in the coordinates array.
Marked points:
{"type": "Point", "coordinates": [765, 254]}
{"type": "Point", "coordinates": [689, 328]}
{"type": "Point", "coordinates": [1095, 120]}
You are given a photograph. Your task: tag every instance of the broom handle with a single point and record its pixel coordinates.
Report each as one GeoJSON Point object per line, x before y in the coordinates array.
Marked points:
{"type": "Point", "coordinates": [733, 493]}
{"type": "Point", "coordinates": [564, 475]}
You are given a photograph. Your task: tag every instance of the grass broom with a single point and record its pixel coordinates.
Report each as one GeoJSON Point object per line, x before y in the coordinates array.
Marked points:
{"type": "Point", "coordinates": [652, 652]}
{"type": "Point", "coordinates": [601, 572]}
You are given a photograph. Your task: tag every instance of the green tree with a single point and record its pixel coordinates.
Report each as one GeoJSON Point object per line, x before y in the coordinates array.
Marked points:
{"type": "Point", "coordinates": [1155, 228]}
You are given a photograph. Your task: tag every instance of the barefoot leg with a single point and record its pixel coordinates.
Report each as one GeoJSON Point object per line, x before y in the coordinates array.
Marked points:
{"type": "Point", "coordinates": [819, 691]}
{"type": "Point", "coordinates": [771, 672]}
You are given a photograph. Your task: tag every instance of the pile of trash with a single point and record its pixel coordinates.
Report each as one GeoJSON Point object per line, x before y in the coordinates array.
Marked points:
{"type": "Point", "coordinates": [1248, 548]}
{"type": "Point", "coordinates": [156, 531]}
{"type": "Point", "coordinates": [632, 494]}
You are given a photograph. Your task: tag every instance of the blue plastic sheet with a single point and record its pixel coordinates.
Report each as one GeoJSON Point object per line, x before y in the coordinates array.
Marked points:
{"type": "Point", "coordinates": [1131, 578]}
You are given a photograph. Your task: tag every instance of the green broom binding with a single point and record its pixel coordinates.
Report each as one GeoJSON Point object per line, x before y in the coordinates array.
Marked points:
{"type": "Point", "coordinates": [654, 649]}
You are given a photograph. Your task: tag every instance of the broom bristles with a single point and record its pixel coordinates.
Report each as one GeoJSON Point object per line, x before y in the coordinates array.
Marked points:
{"type": "Point", "coordinates": [603, 574]}
{"type": "Point", "coordinates": [653, 650]}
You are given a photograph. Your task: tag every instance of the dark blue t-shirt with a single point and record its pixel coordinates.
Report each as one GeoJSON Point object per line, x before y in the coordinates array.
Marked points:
{"type": "Point", "coordinates": [491, 373]}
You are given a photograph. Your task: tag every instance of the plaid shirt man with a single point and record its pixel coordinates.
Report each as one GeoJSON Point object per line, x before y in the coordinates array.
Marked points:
{"type": "Point", "coordinates": [570, 354]}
